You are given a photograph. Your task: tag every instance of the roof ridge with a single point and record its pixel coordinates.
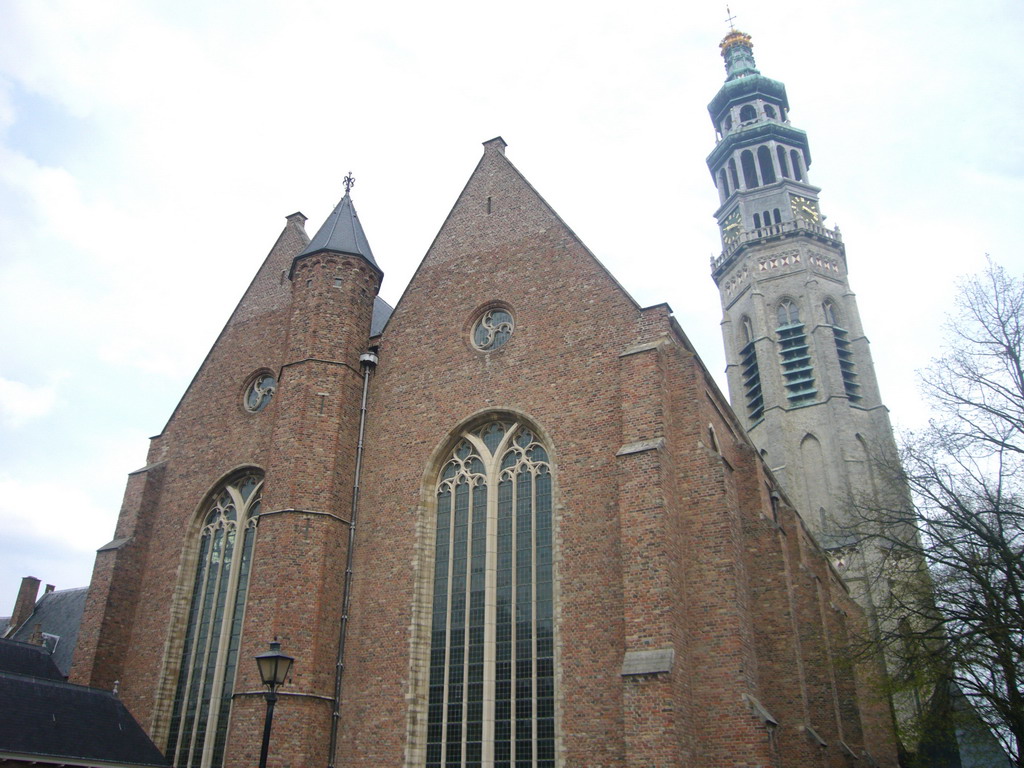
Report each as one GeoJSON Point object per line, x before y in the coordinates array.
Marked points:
{"type": "Point", "coordinates": [59, 683]}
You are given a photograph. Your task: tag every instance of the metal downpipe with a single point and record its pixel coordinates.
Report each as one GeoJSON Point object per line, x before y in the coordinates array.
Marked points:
{"type": "Point", "coordinates": [369, 362]}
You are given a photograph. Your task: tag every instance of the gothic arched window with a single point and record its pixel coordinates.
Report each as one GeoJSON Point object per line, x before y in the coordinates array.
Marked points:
{"type": "Point", "coordinates": [795, 157]}
{"type": "Point", "coordinates": [844, 351]}
{"type": "Point", "coordinates": [750, 372]}
{"type": "Point", "coordinates": [829, 310]}
{"type": "Point", "coordinates": [732, 174]}
{"type": "Point", "coordinates": [749, 171]}
{"type": "Point", "coordinates": [783, 165]}
{"type": "Point", "coordinates": [748, 330]}
{"type": "Point", "coordinates": [747, 113]}
{"type": "Point", "coordinates": [795, 354]}
{"type": "Point", "coordinates": [491, 694]}
{"type": "Point", "coordinates": [788, 313]}
{"type": "Point", "coordinates": [202, 699]}
{"type": "Point", "coordinates": [764, 159]}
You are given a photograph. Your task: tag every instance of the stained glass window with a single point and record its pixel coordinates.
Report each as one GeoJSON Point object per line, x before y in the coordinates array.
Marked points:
{"type": "Point", "coordinates": [491, 698]}
{"type": "Point", "coordinates": [202, 700]}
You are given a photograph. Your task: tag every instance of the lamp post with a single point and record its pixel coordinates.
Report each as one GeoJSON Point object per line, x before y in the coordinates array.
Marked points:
{"type": "Point", "coordinates": [274, 668]}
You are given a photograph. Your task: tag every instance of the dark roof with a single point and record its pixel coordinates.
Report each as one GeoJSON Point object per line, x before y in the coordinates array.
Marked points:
{"type": "Point", "coordinates": [381, 313]}
{"type": "Point", "coordinates": [342, 233]}
{"type": "Point", "coordinates": [28, 659]}
{"type": "Point", "coordinates": [54, 721]}
{"type": "Point", "coordinates": [59, 614]}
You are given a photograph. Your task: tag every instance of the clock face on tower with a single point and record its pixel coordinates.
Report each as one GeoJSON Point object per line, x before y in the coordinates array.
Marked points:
{"type": "Point", "coordinates": [732, 225]}
{"type": "Point", "coordinates": [805, 209]}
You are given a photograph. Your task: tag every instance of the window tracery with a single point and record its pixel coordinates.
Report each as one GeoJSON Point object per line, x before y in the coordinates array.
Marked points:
{"type": "Point", "coordinates": [259, 392]}
{"type": "Point", "coordinates": [492, 329]}
{"type": "Point", "coordinates": [202, 701]}
{"type": "Point", "coordinates": [491, 677]}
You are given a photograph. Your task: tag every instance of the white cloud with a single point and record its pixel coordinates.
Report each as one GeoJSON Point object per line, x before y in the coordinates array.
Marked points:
{"type": "Point", "coordinates": [21, 403]}
{"type": "Point", "coordinates": [193, 128]}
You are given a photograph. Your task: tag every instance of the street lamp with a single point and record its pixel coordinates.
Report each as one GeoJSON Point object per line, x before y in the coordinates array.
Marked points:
{"type": "Point", "coordinates": [274, 668]}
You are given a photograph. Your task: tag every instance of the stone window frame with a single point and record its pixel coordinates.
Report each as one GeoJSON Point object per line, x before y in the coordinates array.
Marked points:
{"type": "Point", "coordinates": [478, 316]}
{"type": "Point", "coordinates": [174, 656]}
{"type": "Point", "coordinates": [252, 382]}
{"type": "Point", "coordinates": [423, 569]}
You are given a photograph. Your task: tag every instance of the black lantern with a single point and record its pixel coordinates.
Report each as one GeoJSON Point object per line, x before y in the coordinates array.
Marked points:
{"type": "Point", "coordinates": [274, 668]}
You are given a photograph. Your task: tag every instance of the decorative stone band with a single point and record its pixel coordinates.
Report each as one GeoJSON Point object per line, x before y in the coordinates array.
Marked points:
{"type": "Point", "coordinates": [771, 232]}
{"type": "Point", "coordinates": [303, 512]}
{"type": "Point", "coordinates": [282, 694]}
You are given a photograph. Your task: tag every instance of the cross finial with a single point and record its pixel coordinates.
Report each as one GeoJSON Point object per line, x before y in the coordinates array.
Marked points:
{"type": "Point", "coordinates": [730, 18]}
{"type": "Point", "coordinates": [350, 181]}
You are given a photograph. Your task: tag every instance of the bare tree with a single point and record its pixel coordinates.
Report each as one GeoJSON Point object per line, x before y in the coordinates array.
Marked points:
{"type": "Point", "coordinates": [954, 554]}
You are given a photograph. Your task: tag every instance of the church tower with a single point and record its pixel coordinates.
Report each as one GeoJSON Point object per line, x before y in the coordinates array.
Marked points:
{"type": "Point", "coordinates": [799, 367]}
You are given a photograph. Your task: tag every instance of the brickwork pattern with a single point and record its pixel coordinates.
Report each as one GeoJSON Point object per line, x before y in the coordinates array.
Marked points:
{"type": "Point", "coordinates": [667, 538]}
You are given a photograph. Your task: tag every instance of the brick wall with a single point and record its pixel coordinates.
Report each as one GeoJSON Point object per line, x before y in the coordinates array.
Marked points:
{"type": "Point", "coordinates": [696, 622]}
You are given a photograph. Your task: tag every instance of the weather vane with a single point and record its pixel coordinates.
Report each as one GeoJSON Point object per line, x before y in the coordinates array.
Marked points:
{"type": "Point", "coordinates": [730, 18]}
{"type": "Point", "coordinates": [350, 181]}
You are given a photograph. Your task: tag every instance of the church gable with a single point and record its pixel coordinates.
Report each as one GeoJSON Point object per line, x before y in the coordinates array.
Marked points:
{"type": "Point", "coordinates": [509, 321]}
{"type": "Point", "coordinates": [500, 215]}
{"type": "Point", "coordinates": [253, 337]}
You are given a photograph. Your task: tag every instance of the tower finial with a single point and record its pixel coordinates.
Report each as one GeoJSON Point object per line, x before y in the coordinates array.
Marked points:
{"type": "Point", "coordinates": [730, 18]}
{"type": "Point", "coordinates": [737, 50]}
{"type": "Point", "coordinates": [349, 181]}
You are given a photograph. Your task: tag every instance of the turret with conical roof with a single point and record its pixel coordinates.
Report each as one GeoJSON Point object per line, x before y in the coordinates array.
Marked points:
{"type": "Point", "coordinates": [335, 280]}
{"type": "Point", "coordinates": [295, 592]}
{"type": "Point", "coordinates": [341, 233]}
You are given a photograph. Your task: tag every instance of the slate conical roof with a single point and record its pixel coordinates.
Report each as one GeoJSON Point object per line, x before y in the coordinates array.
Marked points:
{"type": "Point", "coordinates": [342, 233]}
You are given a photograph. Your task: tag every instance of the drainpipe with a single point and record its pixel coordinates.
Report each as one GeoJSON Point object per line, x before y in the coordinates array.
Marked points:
{"type": "Point", "coordinates": [369, 362]}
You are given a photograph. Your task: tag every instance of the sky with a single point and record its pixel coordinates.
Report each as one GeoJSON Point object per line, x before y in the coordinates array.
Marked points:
{"type": "Point", "coordinates": [150, 152]}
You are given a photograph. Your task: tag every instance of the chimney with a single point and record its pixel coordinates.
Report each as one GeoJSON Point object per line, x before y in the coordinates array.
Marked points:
{"type": "Point", "coordinates": [497, 144]}
{"type": "Point", "coordinates": [48, 590]}
{"type": "Point", "coordinates": [36, 638]}
{"type": "Point", "coordinates": [26, 602]}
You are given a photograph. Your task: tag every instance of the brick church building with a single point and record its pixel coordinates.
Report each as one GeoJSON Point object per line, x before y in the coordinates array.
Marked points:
{"type": "Point", "coordinates": [510, 522]}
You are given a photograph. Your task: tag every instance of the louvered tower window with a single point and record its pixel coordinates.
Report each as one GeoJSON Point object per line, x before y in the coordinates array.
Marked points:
{"type": "Point", "coordinates": [492, 680]}
{"type": "Point", "coordinates": [202, 700]}
{"type": "Point", "coordinates": [795, 352]}
{"type": "Point", "coordinates": [843, 352]}
{"type": "Point", "coordinates": [750, 373]}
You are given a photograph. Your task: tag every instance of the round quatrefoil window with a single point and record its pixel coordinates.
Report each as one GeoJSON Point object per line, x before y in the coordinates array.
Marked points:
{"type": "Point", "coordinates": [259, 392]}
{"type": "Point", "coordinates": [492, 329]}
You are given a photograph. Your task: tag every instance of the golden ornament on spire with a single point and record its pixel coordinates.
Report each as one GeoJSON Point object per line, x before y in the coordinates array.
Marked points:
{"type": "Point", "coordinates": [735, 38]}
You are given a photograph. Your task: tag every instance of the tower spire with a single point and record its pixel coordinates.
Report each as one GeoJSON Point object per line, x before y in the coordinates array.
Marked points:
{"type": "Point", "coordinates": [738, 52]}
